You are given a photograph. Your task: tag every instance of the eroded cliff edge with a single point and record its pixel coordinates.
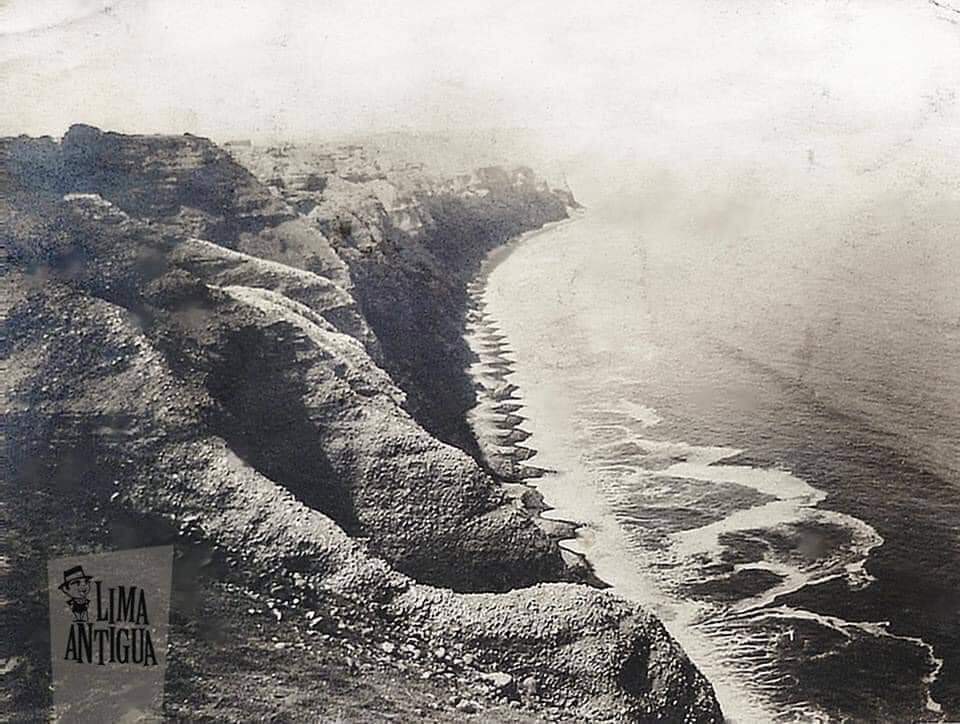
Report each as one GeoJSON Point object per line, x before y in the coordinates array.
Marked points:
{"type": "Point", "coordinates": [268, 369]}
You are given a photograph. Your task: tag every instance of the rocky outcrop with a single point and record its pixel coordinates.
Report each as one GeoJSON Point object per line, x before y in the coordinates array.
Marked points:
{"type": "Point", "coordinates": [223, 267]}
{"type": "Point", "coordinates": [597, 656]}
{"type": "Point", "coordinates": [299, 400]}
{"type": "Point", "coordinates": [184, 361]}
{"type": "Point", "coordinates": [98, 390]}
{"type": "Point", "coordinates": [412, 241]}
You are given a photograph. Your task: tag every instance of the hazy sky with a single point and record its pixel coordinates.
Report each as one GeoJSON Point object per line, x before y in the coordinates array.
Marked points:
{"type": "Point", "coordinates": [804, 131]}
{"type": "Point", "coordinates": [613, 73]}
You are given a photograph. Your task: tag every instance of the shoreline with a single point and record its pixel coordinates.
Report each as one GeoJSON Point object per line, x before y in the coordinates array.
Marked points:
{"type": "Point", "coordinates": [255, 395]}
{"type": "Point", "coordinates": [496, 420]}
{"type": "Point", "coordinates": [491, 373]}
{"type": "Point", "coordinates": [500, 407]}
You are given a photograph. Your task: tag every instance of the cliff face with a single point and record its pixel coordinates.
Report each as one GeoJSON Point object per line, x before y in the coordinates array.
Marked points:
{"type": "Point", "coordinates": [276, 349]}
{"type": "Point", "coordinates": [411, 241]}
{"type": "Point", "coordinates": [189, 357]}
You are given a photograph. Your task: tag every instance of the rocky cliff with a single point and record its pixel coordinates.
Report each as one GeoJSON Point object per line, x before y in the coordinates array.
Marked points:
{"type": "Point", "coordinates": [411, 242]}
{"type": "Point", "coordinates": [270, 373]}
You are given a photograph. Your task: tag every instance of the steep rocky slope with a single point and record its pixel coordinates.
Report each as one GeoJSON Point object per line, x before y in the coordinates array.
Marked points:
{"type": "Point", "coordinates": [184, 361]}
{"type": "Point", "coordinates": [411, 241]}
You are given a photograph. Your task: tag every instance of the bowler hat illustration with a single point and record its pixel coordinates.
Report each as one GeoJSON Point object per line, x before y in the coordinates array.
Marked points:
{"type": "Point", "coordinates": [73, 574]}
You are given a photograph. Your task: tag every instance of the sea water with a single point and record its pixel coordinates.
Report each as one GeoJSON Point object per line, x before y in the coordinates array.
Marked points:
{"type": "Point", "coordinates": [761, 447]}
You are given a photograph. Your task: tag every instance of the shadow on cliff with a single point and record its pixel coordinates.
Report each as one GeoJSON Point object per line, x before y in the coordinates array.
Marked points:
{"type": "Point", "coordinates": [264, 422]}
{"type": "Point", "coordinates": [152, 399]}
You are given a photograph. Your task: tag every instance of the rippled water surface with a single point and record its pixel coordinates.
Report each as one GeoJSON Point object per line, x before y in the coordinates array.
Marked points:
{"type": "Point", "coordinates": [763, 448]}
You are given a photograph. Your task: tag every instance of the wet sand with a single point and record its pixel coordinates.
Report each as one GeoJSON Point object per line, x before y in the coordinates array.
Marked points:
{"type": "Point", "coordinates": [496, 419]}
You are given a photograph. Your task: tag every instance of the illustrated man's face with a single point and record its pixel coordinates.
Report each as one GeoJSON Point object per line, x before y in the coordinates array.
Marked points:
{"type": "Point", "coordinates": [79, 588]}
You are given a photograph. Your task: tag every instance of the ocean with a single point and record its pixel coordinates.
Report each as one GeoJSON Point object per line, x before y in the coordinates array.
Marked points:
{"type": "Point", "coordinates": [760, 439]}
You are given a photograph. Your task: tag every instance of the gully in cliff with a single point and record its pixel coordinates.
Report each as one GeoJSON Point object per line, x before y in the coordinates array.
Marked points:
{"type": "Point", "coordinates": [237, 379]}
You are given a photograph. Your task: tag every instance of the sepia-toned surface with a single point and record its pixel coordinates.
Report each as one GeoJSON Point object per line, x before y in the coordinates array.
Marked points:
{"type": "Point", "coordinates": [413, 327]}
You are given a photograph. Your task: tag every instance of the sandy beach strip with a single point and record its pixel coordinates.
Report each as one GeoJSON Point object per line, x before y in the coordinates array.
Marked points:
{"type": "Point", "coordinates": [497, 420]}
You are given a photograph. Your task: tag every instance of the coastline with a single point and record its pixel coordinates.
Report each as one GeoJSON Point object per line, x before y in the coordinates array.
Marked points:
{"type": "Point", "coordinates": [529, 409]}
{"type": "Point", "coordinates": [496, 420]}
{"type": "Point", "coordinates": [257, 392]}
{"type": "Point", "coordinates": [498, 423]}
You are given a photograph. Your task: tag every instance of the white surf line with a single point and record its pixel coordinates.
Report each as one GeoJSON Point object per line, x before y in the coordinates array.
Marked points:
{"type": "Point", "coordinates": [879, 629]}
{"type": "Point", "coordinates": [744, 697]}
{"type": "Point", "coordinates": [796, 501]}
{"type": "Point", "coordinates": [637, 412]}
{"type": "Point", "coordinates": [804, 497]}
{"type": "Point", "coordinates": [500, 443]}
{"type": "Point", "coordinates": [599, 541]}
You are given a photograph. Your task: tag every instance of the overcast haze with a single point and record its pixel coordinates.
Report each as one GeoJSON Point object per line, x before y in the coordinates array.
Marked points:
{"type": "Point", "coordinates": [768, 259]}
{"type": "Point", "coordinates": [623, 77]}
